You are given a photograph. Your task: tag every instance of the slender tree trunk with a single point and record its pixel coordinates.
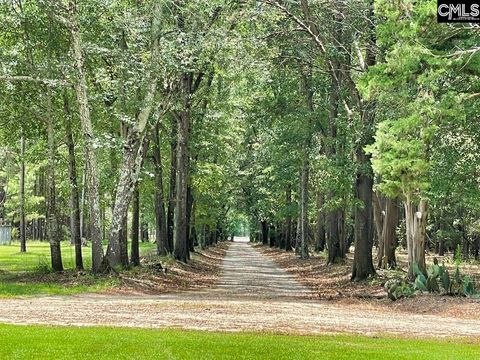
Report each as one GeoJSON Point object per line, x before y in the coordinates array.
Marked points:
{"type": "Point", "coordinates": [173, 184]}
{"type": "Point", "coordinates": [180, 250]}
{"type": "Point", "coordinates": [476, 246]}
{"type": "Point", "coordinates": [135, 251]}
{"type": "Point", "coordinates": [218, 233]}
{"type": "Point", "coordinates": [304, 208]}
{"type": "Point", "coordinates": [145, 232]}
{"type": "Point", "coordinates": [163, 246]}
{"type": "Point", "coordinates": [123, 241]}
{"type": "Point", "coordinates": [378, 218]}
{"type": "Point", "coordinates": [190, 201]}
{"type": "Point", "coordinates": [52, 215]}
{"type": "Point", "coordinates": [23, 238]}
{"type": "Point", "coordinates": [271, 235]}
{"type": "Point", "coordinates": [298, 233]}
{"type": "Point", "coordinates": [441, 247]}
{"type": "Point", "coordinates": [320, 225]}
{"type": "Point", "coordinates": [89, 152]}
{"type": "Point", "coordinates": [208, 236]}
{"type": "Point", "coordinates": [281, 238]}
{"type": "Point", "coordinates": [305, 87]}
{"type": "Point", "coordinates": [288, 222]}
{"type": "Point", "coordinates": [202, 241]}
{"type": "Point", "coordinates": [82, 204]}
{"type": "Point", "coordinates": [74, 193]}
{"type": "Point", "coordinates": [334, 240]}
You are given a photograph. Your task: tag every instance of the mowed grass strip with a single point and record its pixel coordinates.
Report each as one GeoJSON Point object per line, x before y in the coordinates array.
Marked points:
{"type": "Point", "coordinates": [43, 342]}
{"type": "Point", "coordinates": [38, 255]}
{"type": "Point", "coordinates": [23, 274]}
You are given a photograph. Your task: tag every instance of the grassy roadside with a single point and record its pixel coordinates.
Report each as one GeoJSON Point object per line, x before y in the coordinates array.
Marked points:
{"type": "Point", "coordinates": [43, 342]}
{"type": "Point", "coordinates": [26, 274]}
{"type": "Point", "coordinates": [23, 274]}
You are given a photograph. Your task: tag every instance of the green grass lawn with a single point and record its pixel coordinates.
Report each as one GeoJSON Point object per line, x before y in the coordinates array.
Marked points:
{"type": "Point", "coordinates": [29, 273]}
{"type": "Point", "coordinates": [42, 342]}
{"type": "Point", "coordinates": [37, 256]}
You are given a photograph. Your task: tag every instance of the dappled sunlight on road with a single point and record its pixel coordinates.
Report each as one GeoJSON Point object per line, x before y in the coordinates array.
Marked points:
{"type": "Point", "coordinates": [247, 272]}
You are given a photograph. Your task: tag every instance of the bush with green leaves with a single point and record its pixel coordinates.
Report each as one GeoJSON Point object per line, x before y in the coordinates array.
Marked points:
{"type": "Point", "coordinates": [438, 280]}
{"type": "Point", "coordinates": [397, 289]}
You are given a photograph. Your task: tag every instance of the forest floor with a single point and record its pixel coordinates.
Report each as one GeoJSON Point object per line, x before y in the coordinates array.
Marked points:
{"type": "Point", "coordinates": [253, 293]}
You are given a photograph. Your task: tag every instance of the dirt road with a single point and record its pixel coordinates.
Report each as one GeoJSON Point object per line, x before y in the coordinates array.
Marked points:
{"type": "Point", "coordinates": [254, 294]}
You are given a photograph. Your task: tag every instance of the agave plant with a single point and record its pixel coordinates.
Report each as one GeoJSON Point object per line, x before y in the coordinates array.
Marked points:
{"type": "Point", "coordinates": [438, 280]}
{"type": "Point", "coordinates": [439, 275]}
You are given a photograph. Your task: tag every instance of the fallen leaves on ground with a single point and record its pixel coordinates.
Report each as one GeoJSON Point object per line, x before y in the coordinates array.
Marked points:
{"type": "Point", "coordinates": [159, 275]}
{"type": "Point", "coordinates": [332, 283]}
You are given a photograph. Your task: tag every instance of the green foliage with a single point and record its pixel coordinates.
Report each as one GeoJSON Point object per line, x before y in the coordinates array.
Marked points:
{"type": "Point", "coordinates": [439, 281]}
{"type": "Point", "coordinates": [397, 289]}
{"type": "Point", "coordinates": [420, 283]}
{"type": "Point", "coordinates": [458, 255]}
{"type": "Point", "coordinates": [399, 156]}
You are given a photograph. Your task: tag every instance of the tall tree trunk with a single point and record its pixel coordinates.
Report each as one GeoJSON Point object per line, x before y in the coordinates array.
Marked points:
{"type": "Point", "coordinates": [82, 204]}
{"type": "Point", "coordinates": [23, 237]}
{"type": "Point", "coordinates": [305, 87]}
{"type": "Point", "coordinates": [135, 251]}
{"type": "Point", "coordinates": [334, 240]}
{"type": "Point", "coordinates": [74, 193]}
{"type": "Point", "coordinates": [416, 221]}
{"type": "Point", "coordinates": [133, 154]}
{"type": "Point", "coordinates": [441, 247]}
{"type": "Point", "coordinates": [298, 233]}
{"type": "Point", "coordinates": [378, 218]}
{"type": "Point", "coordinates": [89, 138]}
{"type": "Point", "coordinates": [145, 232]}
{"type": "Point", "coordinates": [386, 220]}
{"type": "Point", "coordinates": [271, 235]}
{"type": "Point", "coordinates": [264, 229]}
{"type": "Point", "coordinates": [123, 241]}
{"type": "Point", "coordinates": [163, 246]}
{"type": "Point", "coordinates": [288, 221]}
{"type": "Point", "coordinates": [203, 239]}
{"type": "Point", "coordinates": [173, 184]}
{"type": "Point", "coordinates": [52, 215]}
{"type": "Point", "coordinates": [362, 258]}
{"type": "Point", "coordinates": [3, 197]}
{"type": "Point", "coordinates": [190, 201]}
{"type": "Point", "coordinates": [389, 233]}
{"type": "Point", "coordinates": [304, 208]}
{"type": "Point", "coordinates": [281, 235]}
{"type": "Point", "coordinates": [180, 249]}
{"type": "Point", "coordinates": [320, 225]}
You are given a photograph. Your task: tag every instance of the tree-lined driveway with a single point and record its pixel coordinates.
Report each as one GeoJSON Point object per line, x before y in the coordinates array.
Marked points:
{"type": "Point", "coordinates": [253, 294]}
